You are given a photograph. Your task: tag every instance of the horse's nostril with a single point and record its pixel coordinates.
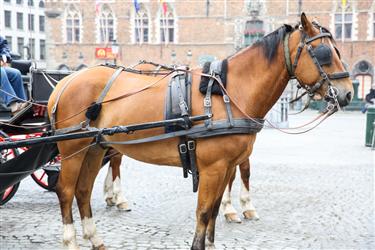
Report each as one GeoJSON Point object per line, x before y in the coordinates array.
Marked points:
{"type": "Point", "coordinates": [349, 96]}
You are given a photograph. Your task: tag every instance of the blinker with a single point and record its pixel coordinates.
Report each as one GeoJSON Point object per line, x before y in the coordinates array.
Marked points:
{"type": "Point", "coordinates": [323, 54]}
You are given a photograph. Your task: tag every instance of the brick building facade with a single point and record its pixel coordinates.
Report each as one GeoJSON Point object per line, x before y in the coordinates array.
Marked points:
{"type": "Point", "coordinates": [189, 32]}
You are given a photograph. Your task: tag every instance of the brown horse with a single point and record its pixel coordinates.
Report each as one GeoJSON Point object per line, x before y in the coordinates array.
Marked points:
{"type": "Point", "coordinates": [256, 78]}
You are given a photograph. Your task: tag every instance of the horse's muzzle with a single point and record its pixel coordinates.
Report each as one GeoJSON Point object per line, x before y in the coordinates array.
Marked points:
{"type": "Point", "coordinates": [344, 97]}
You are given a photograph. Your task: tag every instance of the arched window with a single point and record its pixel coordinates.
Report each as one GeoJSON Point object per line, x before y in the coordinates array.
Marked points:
{"type": "Point", "coordinates": [41, 4]}
{"type": "Point", "coordinates": [344, 20]}
{"type": "Point", "coordinates": [106, 24]}
{"type": "Point", "coordinates": [72, 25]}
{"type": "Point", "coordinates": [141, 26]}
{"type": "Point", "coordinates": [167, 24]}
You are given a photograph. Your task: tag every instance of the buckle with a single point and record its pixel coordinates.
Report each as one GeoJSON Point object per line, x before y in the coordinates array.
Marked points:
{"type": "Point", "coordinates": [207, 102]}
{"type": "Point", "coordinates": [182, 148]}
{"type": "Point", "coordinates": [226, 99]}
{"type": "Point", "coordinates": [191, 145]}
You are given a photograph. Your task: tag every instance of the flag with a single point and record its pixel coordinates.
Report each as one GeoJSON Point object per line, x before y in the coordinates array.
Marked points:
{"type": "Point", "coordinates": [164, 6]}
{"type": "Point", "coordinates": [137, 6]}
{"type": "Point", "coordinates": [97, 6]}
{"type": "Point", "coordinates": [343, 3]}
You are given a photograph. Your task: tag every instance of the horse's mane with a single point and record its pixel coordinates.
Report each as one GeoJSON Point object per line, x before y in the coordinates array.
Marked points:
{"type": "Point", "coordinates": [270, 42]}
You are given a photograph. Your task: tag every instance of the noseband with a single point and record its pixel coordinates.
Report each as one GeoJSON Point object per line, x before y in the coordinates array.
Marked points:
{"type": "Point", "coordinates": [321, 55]}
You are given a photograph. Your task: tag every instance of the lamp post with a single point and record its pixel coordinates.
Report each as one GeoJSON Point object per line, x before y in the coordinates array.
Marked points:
{"type": "Point", "coordinates": [115, 50]}
{"type": "Point", "coordinates": [189, 56]}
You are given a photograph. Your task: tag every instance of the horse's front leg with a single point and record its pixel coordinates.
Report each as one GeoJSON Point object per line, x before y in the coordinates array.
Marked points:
{"type": "Point", "coordinates": [211, 224]}
{"type": "Point", "coordinates": [227, 208]}
{"type": "Point", "coordinates": [248, 209]}
{"type": "Point", "coordinates": [113, 194]}
{"type": "Point", "coordinates": [211, 179]}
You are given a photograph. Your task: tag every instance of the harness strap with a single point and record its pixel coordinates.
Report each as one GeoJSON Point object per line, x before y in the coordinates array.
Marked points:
{"type": "Point", "coordinates": [54, 107]}
{"type": "Point", "coordinates": [288, 62]}
{"type": "Point", "coordinates": [220, 127]}
{"type": "Point", "coordinates": [208, 104]}
{"type": "Point", "coordinates": [320, 35]}
{"type": "Point", "coordinates": [193, 164]}
{"type": "Point", "coordinates": [104, 92]}
{"type": "Point", "coordinates": [185, 162]}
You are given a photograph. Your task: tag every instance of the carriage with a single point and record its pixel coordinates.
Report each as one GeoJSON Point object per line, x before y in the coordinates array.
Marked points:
{"type": "Point", "coordinates": [30, 122]}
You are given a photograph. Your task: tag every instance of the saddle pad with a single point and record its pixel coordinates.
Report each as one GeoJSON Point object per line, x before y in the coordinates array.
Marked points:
{"type": "Point", "coordinates": [216, 90]}
{"type": "Point", "coordinates": [179, 89]}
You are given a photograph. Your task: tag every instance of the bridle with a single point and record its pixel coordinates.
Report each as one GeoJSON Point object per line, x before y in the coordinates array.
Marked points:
{"type": "Point", "coordinates": [321, 55]}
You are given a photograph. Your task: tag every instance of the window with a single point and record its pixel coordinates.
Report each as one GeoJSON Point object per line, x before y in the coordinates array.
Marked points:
{"type": "Point", "coordinates": [41, 4]}
{"type": "Point", "coordinates": [73, 23]}
{"type": "Point", "coordinates": [7, 1]}
{"type": "Point", "coordinates": [20, 21]}
{"type": "Point", "coordinates": [42, 45]}
{"type": "Point", "coordinates": [106, 25]}
{"type": "Point", "coordinates": [30, 2]}
{"type": "Point", "coordinates": [32, 47]}
{"type": "Point", "coordinates": [19, 1]}
{"type": "Point", "coordinates": [141, 26]}
{"type": "Point", "coordinates": [167, 26]}
{"type": "Point", "coordinates": [20, 43]}
{"type": "Point", "coordinates": [343, 21]}
{"type": "Point", "coordinates": [253, 31]}
{"type": "Point", "coordinates": [9, 40]}
{"type": "Point", "coordinates": [7, 19]}
{"type": "Point", "coordinates": [41, 23]}
{"type": "Point", "coordinates": [31, 22]}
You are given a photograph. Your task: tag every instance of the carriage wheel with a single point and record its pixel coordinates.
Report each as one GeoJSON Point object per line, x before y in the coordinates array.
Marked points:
{"type": "Point", "coordinates": [5, 155]}
{"type": "Point", "coordinates": [46, 177]}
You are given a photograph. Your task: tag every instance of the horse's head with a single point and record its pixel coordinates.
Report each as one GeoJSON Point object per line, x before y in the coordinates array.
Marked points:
{"type": "Point", "coordinates": [312, 57]}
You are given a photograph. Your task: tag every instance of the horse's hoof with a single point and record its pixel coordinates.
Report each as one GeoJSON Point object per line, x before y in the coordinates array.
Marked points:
{"type": "Point", "coordinates": [232, 218]}
{"type": "Point", "coordinates": [71, 246]}
{"type": "Point", "coordinates": [210, 246]}
{"type": "Point", "coordinates": [109, 202]}
{"type": "Point", "coordinates": [101, 247]}
{"type": "Point", "coordinates": [251, 215]}
{"type": "Point", "coordinates": [124, 207]}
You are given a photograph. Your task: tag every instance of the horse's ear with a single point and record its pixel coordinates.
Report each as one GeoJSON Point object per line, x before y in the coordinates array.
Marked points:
{"type": "Point", "coordinates": [306, 24]}
{"type": "Point", "coordinates": [288, 28]}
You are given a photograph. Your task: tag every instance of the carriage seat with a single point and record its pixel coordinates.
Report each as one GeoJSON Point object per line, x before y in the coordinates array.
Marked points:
{"type": "Point", "coordinates": [22, 65]}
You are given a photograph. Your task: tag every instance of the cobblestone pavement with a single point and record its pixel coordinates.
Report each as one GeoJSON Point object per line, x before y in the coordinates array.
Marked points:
{"type": "Point", "coordinates": [314, 191]}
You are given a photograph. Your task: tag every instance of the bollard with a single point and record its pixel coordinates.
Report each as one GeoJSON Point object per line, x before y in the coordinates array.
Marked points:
{"type": "Point", "coordinates": [370, 119]}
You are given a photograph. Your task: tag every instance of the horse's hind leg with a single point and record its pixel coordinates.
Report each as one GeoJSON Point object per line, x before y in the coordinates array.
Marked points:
{"type": "Point", "coordinates": [248, 209]}
{"type": "Point", "coordinates": [211, 224]}
{"type": "Point", "coordinates": [65, 189]}
{"type": "Point", "coordinates": [227, 208]}
{"type": "Point", "coordinates": [89, 171]}
{"type": "Point", "coordinates": [112, 186]}
{"type": "Point", "coordinates": [211, 179]}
